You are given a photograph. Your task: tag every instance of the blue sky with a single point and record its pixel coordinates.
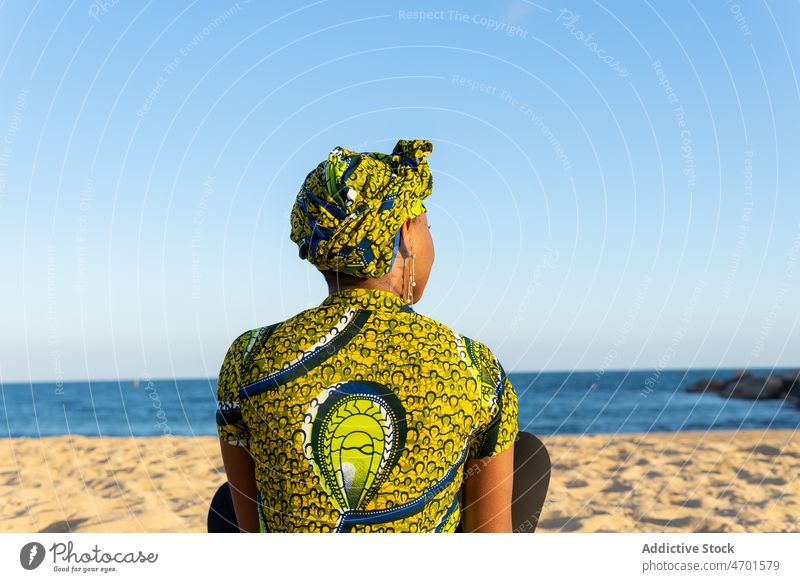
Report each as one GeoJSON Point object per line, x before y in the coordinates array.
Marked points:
{"type": "Point", "coordinates": [616, 185]}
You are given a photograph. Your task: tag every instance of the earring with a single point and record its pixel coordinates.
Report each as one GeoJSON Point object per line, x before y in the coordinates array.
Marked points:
{"type": "Point", "coordinates": [411, 282]}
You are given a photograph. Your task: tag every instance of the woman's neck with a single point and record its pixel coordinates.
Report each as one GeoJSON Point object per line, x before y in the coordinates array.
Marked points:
{"type": "Point", "coordinates": [339, 282]}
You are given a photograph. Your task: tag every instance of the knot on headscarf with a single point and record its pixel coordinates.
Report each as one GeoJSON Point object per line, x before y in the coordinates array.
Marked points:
{"type": "Point", "coordinates": [348, 213]}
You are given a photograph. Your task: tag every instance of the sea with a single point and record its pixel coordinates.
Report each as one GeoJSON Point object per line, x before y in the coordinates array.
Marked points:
{"type": "Point", "coordinates": [550, 403]}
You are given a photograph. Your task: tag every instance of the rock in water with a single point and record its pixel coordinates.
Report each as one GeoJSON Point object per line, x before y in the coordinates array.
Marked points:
{"type": "Point", "coordinates": [707, 386]}
{"type": "Point", "coordinates": [754, 388]}
{"type": "Point", "coordinates": [791, 386]}
{"type": "Point", "coordinates": [740, 374]}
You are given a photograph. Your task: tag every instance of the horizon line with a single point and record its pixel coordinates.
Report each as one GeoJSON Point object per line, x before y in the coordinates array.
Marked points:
{"type": "Point", "coordinates": [573, 371]}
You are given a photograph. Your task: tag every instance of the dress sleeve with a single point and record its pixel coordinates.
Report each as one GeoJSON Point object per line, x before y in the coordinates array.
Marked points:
{"type": "Point", "coordinates": [500, 405]}
{"type": "Point", "coordinates": [230, 425]}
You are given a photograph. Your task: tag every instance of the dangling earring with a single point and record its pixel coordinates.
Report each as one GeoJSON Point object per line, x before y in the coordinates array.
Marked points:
{"type": "Point", "coordinates": [411, 282]}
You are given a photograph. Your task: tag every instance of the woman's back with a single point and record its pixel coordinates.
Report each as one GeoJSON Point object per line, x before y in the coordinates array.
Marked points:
{"type": "Point", "coordinates": [360, 414]}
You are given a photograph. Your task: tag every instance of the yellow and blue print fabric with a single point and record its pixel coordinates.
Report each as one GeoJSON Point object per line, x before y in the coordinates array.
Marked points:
{"type": "Point", "coordinates": [360, 414]}
{"type": "Point", "coordinates": [348, 213]}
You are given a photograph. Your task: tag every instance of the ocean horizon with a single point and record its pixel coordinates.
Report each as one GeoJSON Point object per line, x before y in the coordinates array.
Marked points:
{"type": "Point", "coordinates": [550, 403]}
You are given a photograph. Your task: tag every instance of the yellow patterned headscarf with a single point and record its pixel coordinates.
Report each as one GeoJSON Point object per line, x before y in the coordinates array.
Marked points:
{"type": "Point", "coordinates": [349, 211]}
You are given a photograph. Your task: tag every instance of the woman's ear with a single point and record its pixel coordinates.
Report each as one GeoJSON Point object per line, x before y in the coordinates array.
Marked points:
{"type": "Point", "coordinates": [406, 242]}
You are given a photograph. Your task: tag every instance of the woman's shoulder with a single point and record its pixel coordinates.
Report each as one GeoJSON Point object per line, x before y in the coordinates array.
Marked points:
{"type": "Point", "coordinates": [479, 352]}
{"type": "Point", "coordinates": [251, 340]}
{"type": "Point", "coordinates": [247, 340]}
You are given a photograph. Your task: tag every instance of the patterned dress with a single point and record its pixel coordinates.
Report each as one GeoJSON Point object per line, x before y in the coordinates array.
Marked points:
{"type": "Point", "coordinates": [360, 414]}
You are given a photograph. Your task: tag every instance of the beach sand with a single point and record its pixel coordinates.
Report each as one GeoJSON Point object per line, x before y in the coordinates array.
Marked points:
{"type": "Point", "coordinates": [720, 481]}
{"type": "Point", "coordinates": [745, 481]}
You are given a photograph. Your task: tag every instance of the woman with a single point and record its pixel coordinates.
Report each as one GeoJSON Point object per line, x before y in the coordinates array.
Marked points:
{"type": "Point", "coordinates": [361, 415]}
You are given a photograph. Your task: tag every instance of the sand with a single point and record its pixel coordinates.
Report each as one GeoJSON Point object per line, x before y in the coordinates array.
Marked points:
{"type": "Point", "coordinates": [745, 481]}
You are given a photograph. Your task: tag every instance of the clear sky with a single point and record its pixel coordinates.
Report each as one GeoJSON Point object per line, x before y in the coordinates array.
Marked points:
{"type": "Point", "coordinates": [616, 184]}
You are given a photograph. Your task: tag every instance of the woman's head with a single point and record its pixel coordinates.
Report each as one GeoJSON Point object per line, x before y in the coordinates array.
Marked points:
{"type": "Point", "coordinates": [362, 214]}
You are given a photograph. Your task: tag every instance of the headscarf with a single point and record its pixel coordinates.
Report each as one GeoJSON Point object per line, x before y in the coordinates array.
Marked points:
{"type": "Point", "coordinates": [348, 213]}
